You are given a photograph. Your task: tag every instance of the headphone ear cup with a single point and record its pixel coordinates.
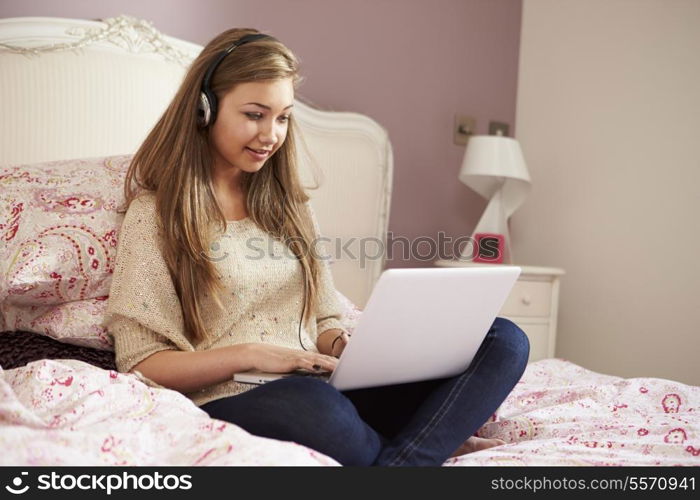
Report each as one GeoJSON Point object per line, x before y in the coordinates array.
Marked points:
{"type": "Point", "coordinates": [203, 110]}
{"type": "Point", "coordinates": [213, 107]}
{"type": "Point", "coordinates": [207, 108]}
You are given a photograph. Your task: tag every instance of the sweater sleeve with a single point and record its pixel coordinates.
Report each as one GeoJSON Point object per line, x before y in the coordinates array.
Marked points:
{"type": "Point", "coordinates": [133, 342]}
{"type": "Point", "coordinates": [143, 310]}
{"type": "Point", "coordinates": [329, 311]}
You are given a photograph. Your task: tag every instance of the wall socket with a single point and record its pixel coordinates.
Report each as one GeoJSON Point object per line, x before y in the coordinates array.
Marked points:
{"type": "Point", "coordinates": [498, 128]}
{"type": "Point", "coordinates": [464, 128]}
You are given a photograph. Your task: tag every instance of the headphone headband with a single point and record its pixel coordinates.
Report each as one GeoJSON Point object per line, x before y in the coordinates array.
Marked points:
{"type": "Point", "coordinates": [207, 99]}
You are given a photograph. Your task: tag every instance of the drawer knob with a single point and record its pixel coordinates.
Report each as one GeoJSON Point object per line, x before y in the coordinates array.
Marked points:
{"type": "Point", "coordinates": [526, 300]}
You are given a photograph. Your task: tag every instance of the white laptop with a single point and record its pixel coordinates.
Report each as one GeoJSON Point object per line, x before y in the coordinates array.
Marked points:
{"type": "Point", "coordinates": [418, 324]}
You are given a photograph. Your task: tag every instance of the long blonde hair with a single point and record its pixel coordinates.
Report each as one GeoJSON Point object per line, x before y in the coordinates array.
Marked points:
{"type": "Point", "coordinates": [175, 163]}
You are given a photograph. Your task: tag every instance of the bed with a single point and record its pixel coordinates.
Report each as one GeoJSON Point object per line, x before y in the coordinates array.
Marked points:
{"type": "Point", "coordinates": [77, 97]}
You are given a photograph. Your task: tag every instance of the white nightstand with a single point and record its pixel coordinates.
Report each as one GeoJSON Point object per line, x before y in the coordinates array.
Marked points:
{"type": "Point", "coordinates": [532, 305]}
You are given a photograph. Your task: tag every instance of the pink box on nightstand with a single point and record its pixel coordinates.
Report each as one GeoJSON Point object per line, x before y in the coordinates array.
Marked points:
{"type": "Point", "coordinates": [489, 248]}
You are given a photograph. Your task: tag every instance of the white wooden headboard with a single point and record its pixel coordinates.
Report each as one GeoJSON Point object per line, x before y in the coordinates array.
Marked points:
{"type": "Point", "coordinates": [73, 88]}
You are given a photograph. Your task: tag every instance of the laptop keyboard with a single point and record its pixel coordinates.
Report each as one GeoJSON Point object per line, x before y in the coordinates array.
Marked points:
{"type": "Point", "coordinates": [303, 373]}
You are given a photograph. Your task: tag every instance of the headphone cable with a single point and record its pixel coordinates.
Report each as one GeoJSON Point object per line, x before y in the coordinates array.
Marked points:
{"type": "Point", "coordinates": [303, 309]}
{"type": "Point", "coordinates": [301, 319]}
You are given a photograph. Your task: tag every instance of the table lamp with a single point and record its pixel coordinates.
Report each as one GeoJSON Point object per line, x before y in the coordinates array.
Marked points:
{"type": "Point", "coordinates": [494, 167]}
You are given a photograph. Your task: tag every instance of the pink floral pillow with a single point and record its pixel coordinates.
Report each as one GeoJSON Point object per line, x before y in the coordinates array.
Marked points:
{"type": "Point", "coordinates": [58, 240]}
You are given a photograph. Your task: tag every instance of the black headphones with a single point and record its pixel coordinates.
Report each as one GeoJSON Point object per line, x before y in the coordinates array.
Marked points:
{"type": "Point", "coordinates": [207, 99]}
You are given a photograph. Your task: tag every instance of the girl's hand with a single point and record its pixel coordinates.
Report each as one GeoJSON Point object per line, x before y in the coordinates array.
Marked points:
{"type": "Point", "coordinates": [276, 359]}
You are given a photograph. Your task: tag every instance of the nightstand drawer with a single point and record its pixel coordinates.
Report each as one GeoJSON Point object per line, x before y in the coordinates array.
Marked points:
{"type": "Point", "coordinates": [529, 298]}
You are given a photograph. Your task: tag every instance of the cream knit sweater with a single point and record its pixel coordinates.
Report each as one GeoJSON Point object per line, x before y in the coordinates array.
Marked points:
{"type": "Point", "coordinates": [263, 295]}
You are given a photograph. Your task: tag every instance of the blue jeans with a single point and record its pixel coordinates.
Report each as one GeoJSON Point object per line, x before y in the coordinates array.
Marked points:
{"type": "Point", "coordinates": [419, 423]}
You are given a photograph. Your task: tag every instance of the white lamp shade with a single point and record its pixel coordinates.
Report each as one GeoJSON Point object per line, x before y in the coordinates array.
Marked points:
{"type": "Point", "coordinates": [493, 163]}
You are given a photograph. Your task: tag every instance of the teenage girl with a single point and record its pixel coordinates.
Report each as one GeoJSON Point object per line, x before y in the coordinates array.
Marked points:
{"type": "Point", "coordinates": [216, 274]}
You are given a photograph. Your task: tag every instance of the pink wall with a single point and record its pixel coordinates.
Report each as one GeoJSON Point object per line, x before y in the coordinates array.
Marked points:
{"type": "Point", "coordinates": [409, 64]}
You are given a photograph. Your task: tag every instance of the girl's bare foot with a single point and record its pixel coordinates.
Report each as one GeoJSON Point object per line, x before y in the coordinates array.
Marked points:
{"type": "Point", "coordinates": [475, 443]}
